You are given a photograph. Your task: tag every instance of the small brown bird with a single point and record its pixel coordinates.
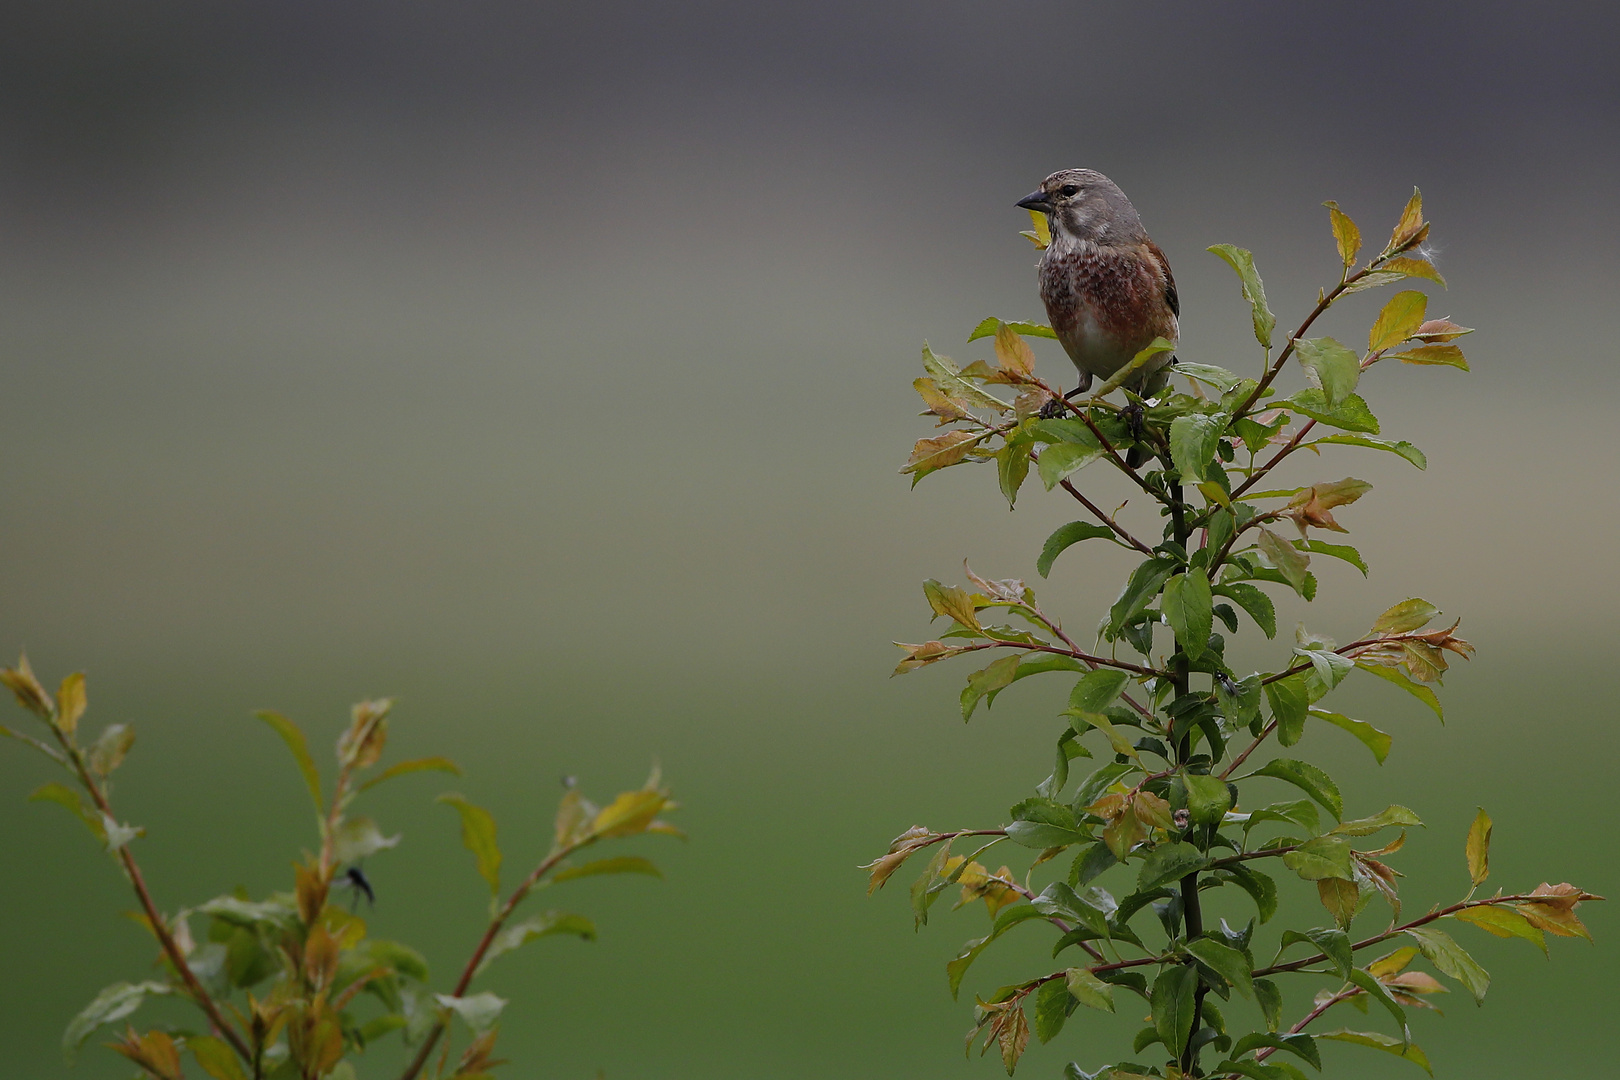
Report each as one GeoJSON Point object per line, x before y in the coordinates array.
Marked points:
{"type": "Point", "coordinates": [1107, 287]}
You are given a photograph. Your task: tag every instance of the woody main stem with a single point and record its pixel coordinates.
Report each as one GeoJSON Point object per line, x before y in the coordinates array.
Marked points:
{"type": "Point", "coordinates": [1191, 910]}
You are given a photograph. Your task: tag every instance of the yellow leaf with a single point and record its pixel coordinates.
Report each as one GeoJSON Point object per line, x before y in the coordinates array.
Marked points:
{"type": "Point", "coordinates": [30, 694]}
{"type": "Point", "coordinates": [70, 703]}
{"type": "Point", "coordinates": [1410, 229]}
{"type": "Point", "coordinates": [1013, 352]}
{"type": "Point", "coordinates": [1479, 847]}
{"type": "Point", "coordinates": [1398, 321]}
{"type": "Point", "coordinates": [1345, 233]}
{"type": "Point", "coordinates": [629, 814]}
{"type": "Point", "coordinates": [939, 453]}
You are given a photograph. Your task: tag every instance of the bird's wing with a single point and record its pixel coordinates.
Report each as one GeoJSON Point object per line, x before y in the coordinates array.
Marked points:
{"type": "Point", "coordinates": [1170, 296]}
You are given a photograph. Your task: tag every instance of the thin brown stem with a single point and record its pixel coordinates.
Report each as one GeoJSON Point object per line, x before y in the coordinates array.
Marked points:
{"type": "Point", "coordinates": [471, 968]}
{"type": "Point", "coordinates": [1343, 995]}
{"type": "Point", "coordinates": [1119, 531]}
{"type": "Point", "coordinates": [1052, 625]}
{"type": "Point", "coordinates": [1440, 913]}
{"type": "Point", "coordinates": [1085, 657]}
{"type": "Point", "coordinates": [1288, 448]}
{"type": "Point", "coordinates": [154, 917]}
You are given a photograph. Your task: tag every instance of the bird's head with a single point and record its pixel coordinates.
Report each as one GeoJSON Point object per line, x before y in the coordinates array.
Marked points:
{"type": "Point", "coordinates": [1083, 204]}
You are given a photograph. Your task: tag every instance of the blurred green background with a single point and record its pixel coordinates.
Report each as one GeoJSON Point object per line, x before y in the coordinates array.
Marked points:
{"type": "Point", "coordinates": [546, 366]}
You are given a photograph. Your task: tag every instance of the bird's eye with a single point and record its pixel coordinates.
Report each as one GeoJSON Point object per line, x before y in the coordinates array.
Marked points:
{"type": "Point", "coordinates": [1069, 190]}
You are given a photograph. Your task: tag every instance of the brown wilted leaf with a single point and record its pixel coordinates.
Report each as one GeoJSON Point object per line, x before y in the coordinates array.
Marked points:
{"type": "Point", "coordinates": [1554, 912]}
{"type": "Point", "coordinates": [938, 401]}
{"type": "Point", "coordinates": [1009, 589]}
{"type": "Point", "coordinates": [1437, 331]}
{"type": "Point", "coordinates": [941, 452]}
{"type": "Point", "coordinates": [1152, 811]}
{"type": "Point", "coordinates": [1411, 229]}
{"type": "Point", "coordinates": [30, 694]}
{"type": "Point", "coordinates": [900, 850]}
{"type": "Point", "coordinates": [155, 1052]}
{"type": "Point", "coordinates": [922, 655]}
{"type": "Point", "coordinates": [1013, 353]}
{"type": "Point", "coordinates": [1312, 505]}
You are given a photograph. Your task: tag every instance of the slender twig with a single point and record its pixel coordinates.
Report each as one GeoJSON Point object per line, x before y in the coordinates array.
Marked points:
{"type": "Point", "coordinates": [1098, 661]}
{"type": "Point", "coordinates": [1247, 855]}
{"type": "Point", "coordinates": [484, 943]}
{"type": "Point", "coordinates": [1053, 625]}
{"type": "Point", "coordinates": [1343, 995]}
{"type": "Point", "coordinates": [1288, 448]}
{"type": "Point", "coordinates": [1295, 965]}
{"type": "Point", "coordinates": [154, 917]}
{"type": "Point", "coordinates": [1106, 520]}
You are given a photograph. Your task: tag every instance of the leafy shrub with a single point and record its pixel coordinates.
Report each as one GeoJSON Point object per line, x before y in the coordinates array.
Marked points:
{"type": "Point", "coordinates": [1176, 728]}
{"type": "Point", "coordinates": [291, 987]}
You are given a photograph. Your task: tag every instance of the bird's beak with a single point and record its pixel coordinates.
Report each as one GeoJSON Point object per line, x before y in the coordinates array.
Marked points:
{"type": "Point", "coordinates": [1036, 200]}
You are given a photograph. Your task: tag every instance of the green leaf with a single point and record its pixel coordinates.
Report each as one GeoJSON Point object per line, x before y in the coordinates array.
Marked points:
{"type": "Point", "coordinates": [1299, 1045]}
{"type": "Point", "coordinates": [294, 738]}
{"type": "Point", "coordinates": [1061, 460]}
{"type": "Point", "coordinates": [216, 1058]}
{"type": "Point", "coordinates": [1169, 863]}
{"type": "Point", "coordinates": [1089, 990]}
{"type": "Point", "coordinates": [1289, 700]}
{"type": "Point", "coordinates": [988, 327]}
{"type": "Point", "coordinates": [1009, 918]}
{"type": "Point", "coordinates": [1336, 551]}
{"type": "Point", "coordinates": [478, 1011]}
{"type": "Point", "coordinates": [1254, 291]}
{"type": "Point", "coordinates": [1217, 377]}
{"type": "Point", "coordinates": [1091, 908]}
{"type": "Point", "coordinates": [402, 959]}
{"type": "Point", "coordinates": [1302, 813]}
{"type": "Point", "coordinates": [1188, 606]}
{"type": "Point", "coordinates": [1387, 819]}
{"type": "Point", "coordinates": [1378, 1041]}
{"type": "Point", "coordinates": [1309, 779]}
{"type": "Point", "coordinates": [1351, 414]}
{"type": "Point", "coordinates": [1225, 961]}
{"type": "Point", "coordinates": [1332, 367]}
{"type": "Point", "coordinates": [358, 837]}
{"type": "Point", "coordinates": [1253, 601]}
{"type": "Point", "coordinates": [1398, 321]}
{"type": "Point", "coordinates": [1096, 690]}
{"type": "Point", "coordinates": [1329, 667]}
{"type": "Point", "coordinates": [1374, 740]}
{"type": "Point", "coordinates": [1192, 443]}
{"type": "Point", "coordinates": [1116, 738]}
{"type": "Point", "coordinates": [1403, 448]}
{"type": "Point", "coordinates": [478, 837]}
{"type": "Point", "coordinates": [1139, 591]}
{"type": "Point", "coordinates": [1322, 857]}
{"type": "Point", "coordinates": [546, 924]}
{"type": "Point", "coordinates": [436, 764]}
{"type": "Point", "coordinates": [1066, 536]}
{"type": "Point", "coordinates": [1503, 922]}
{"type": "Point", "coordinates": [1378, 991]}
{"type": "Point", "coordinates": [1448, 355]}
{"type": "Point", "coordinates": [1289, 560]}
{"type": "Point", "coordinates": [1418, 690]}
{"type": "Point", "coordinates": [1012, 466]}
{"type": "Point", "coordinates": [988, 680]}
{"type": "Point", "coordinates": [1051, 1009]}
{"type": "Point", "coordinates": [619, 864]}
{"type": "Point", "coordinates": [1208, 799]}
{"type": "Point", "coordinates": [1174, 1005]}
{"type": "Point", "coordinates": [110, 1006]}
{"type": "Point", "coordinates": [65, 796]}
{"type": "Point", "coordinates": [1240, 699]}
{"type": "Point", "coordinates": [1406, 616]}
{"type": "Point", "coordinates": [1452, 959]}
{"type": "Point", "coordinates": [1335, 945]}
{"type": "Point", "coordinates": [1258, 885]}
{"type": "Point", "coordinates": [110, 749]}
{"type": "Point", "coordinates": [1271, 1002]}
